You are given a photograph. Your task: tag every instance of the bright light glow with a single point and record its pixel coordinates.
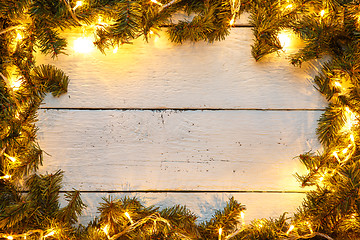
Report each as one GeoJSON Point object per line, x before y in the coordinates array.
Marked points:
{"type": "Point", "coordinates": [10, 237]}
{"type": "Point", "coordinates": [310, 228]}
{"type": "Point", "coordinates": [352, 138]}
{"type": "Point", "coordinates": [321, 179]}
{"type": "Point", "coordinates": [345, 150]}
{"type": "Point", "coordinates": [78, 4]}
{"type": "Point", "coordinates": [285, 39]}
{"type": "Point", "coordinates": [83, 45]}
{"type": "Point", "coordinates": [290, 6]}
{"type": "Point", "coordinates": [15, 84]}
{"type": "Point", "coordinates": [220, 233]}
{"type": "Point", "coordinates": [336, 156]}
{"type": "Point", "coordinates": [337, 84]}
{"type": "Point", "coordinates": [156, 2]}
{"type": "Point", "coordinates": [18, 36]}
{"type": "Point", "coordinates": [49, 234]}
{"type": "Point", "coordinates": [242, 215]}
{"type": "Point", "coordinates": [322, 13]}
{"type": "Point", "coordinates": [116, 49]}
{"type": "Point", "coordinates": [151, 32]}
{"type": "Point", "coordinates": [290, 229]}
{"type": "Point", "coordinates": [13, 159]}
{"type": "Point", "coordinates": [5, 177]}
{"type": "Point", "coordinates": [106, 229]}
{"type": "Point", "coordinates": [128, 216]}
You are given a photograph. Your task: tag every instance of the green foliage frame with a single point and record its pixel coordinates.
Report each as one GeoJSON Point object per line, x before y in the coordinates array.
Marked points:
{"type": "Point", "coordinates": [29, 203]}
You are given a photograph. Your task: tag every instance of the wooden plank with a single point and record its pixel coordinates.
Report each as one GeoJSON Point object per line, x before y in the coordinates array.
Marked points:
{"type": "Point", "coordinates": [204, 205]}
{"type": "Point", "coordinates": [181, 150]}
{"type": "Point", "coordinates": [161, 74]}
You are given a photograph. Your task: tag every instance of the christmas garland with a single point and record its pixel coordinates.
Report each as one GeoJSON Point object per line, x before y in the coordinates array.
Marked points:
{"type": "Point", "coordinates": [29, 203]}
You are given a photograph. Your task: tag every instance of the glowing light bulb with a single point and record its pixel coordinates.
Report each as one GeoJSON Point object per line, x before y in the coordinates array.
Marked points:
{"type": "Point", "coordinates": [290, 229]}
{"type": "Point", "coordinates": [232, 21]}
{"type": "Point", "coordinates": [345, 150]}
{"type": "Point", "coordinates": [309, 226]}
{"type": "Point", "coordinates": [321, 179]}
{"type": "Point", "coordinates": [18, 36]}
{"type": "Point", "coordinates": [49, 234]}
{"type": "Point", "coordinates": [10, 237]}
{"type": "Point", "coordinates": [290, 6]}
{"type": "Point", "coordinates": [83, 45]}
{"type": "Point", "coordinates": [5, 177]}
{"type": "Point", "coordinates": [128, 216]}
{"type": "Point", "coordinates": [352, 138]}
{"type": "Point", "coordinates": [15, 84]}
{"type": "Point", "coordinates": [13, 159]}
{"type": "Point", "coordinates": [106, 229]}
{"type": "Point", "coordinates": [337, 84]}
{"type": "Point", "coordinates": [220, 233]}
{"type": "Point", "coordinates": [322, 13]}
{"type": "Point", "coordinates": [285, 39]}
{"type": "Point", "coordinates": [242, 215]}
{"type": "Point", "coordinates": [78, 4]}
{"type": "Point", "coordinates": [156, 2]}
{"type": "Point", "coordinates": [336, 156]}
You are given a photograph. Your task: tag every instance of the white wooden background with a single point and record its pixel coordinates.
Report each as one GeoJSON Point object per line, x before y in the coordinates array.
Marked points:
{"type": "Point", "coordinates": [188, 124]}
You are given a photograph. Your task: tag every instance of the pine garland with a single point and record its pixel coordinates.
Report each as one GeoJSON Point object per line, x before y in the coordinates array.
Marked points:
{"type": "Point", "coordinates": [29, 203]}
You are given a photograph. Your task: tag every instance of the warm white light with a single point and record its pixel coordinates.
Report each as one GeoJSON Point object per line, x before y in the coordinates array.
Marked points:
{"type": "Point", "coordinates": [5, 177]}
{"type": "Point", "coordinates": [337, 84]}
{"type": "Point", "coordinates": [345, 150]}
{"type": "Point", "coordinates": [290, 229]}
{"type": "Point", "coordinates": [322, 13]}
{"type": "Point", "coordinates": [285, 39]}
{"type": "Point", "coordinates": [78, 4]}
{"type": "Point", "coordinates": [13, 159]}
{"type": "Point", "coordinates": [128, 216]}
{"type": "Point", "coordinates": [156, 2]}
{"type": "Point", "coordinates": [220, 233]}
{"type": "Point", "coordinates": [352, 138]}
{"type": "Point", "coordinates": [289, 6]}
{"type": "Point", "coordinates": [116, 49]}
{"type": "Point", "coordinates": [49, 234]}
{"type": "Point", "coordinates": [18, 37]}
{"type": "Point", "coordinates": [106, 229]}
{"type": "Point", "coordinates": [242, 215]}
{"type": "Point", "coordinates": [15, 84]}
{"type": "Point", "coordinates": [10, 237]}
{"type": "Point", "coordinates": [336, 156]}
{"type": "Point", "coordinates": [83, 45]}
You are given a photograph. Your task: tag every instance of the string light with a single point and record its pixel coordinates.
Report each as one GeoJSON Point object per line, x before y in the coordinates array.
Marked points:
{"type": "Point", "coordinates": [310, 228]}
{"type": "Point", "coordinates": [290, 6]}
{"type": "Point", "coordinates": [5, 177]}
{"type": "Point", "coordinates": [49, 234]}
{"type": "Point", "coordinates": [83, 45]}
{"type": "Point", "coordinates": [10, 237]}
{"type": "Point", "coordinates": [290, 229]}
{"type": "Point", "coordinates": [220, 233]}
{"type": "Point", "coordinates": [128, 216]}
{"type": "Point", "coordinates": [156, 2]}
{"type": "Point", "coordinates": [242, 215]}
{"type": "Point", "coordinates": [13, 159]}
{"type": "Point", "coordinates": [285, 39]}
{"type": "Point", "coordinates": [336, 156]}
{"type": "Point", "coordinates": [106, 230]}
{"type": "Point", "coordinates": [18, 36]}
{"type": "Point", "coordinates": [322, 13]}
{"type": "Point", "coordinates": [78, 4]}
{"type": "Point", "coordinates": [352, 138]}
{"type": "Point", "coordinates": [15, 84]}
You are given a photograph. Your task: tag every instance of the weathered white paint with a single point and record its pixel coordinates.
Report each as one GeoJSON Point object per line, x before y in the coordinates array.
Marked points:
{"type": "Point", "coordinates": [182, 150]}
{"type": "Point", "coordinates": [204, 205]}
{"type": "Point", "coordinates": [191, 150]}
{"type": "Point", "coordinates": [161, 74]}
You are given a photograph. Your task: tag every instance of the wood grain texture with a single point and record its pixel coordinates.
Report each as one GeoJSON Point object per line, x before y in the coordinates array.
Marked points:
{"type": "Point", "coordinates": [204, 205]}
{"type": "Point", "coordinates": [161, 74]}
{"type": "Point", "coordinates": [181, 150]}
